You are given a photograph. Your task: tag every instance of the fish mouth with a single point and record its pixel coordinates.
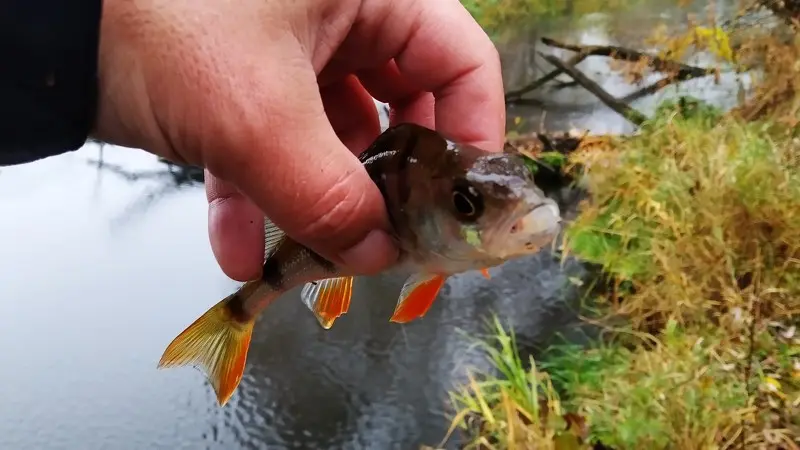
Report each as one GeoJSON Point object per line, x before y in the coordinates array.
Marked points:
{"type": "Point", "coordinates": [538, 225]}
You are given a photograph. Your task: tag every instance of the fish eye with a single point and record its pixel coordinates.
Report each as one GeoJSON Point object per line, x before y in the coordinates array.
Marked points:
{"type": "Point", "coordinates": [467, 201]}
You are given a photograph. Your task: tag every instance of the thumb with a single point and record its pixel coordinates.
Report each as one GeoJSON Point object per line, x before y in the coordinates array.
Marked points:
{"type": "Point", "coordinates": [288, 160]}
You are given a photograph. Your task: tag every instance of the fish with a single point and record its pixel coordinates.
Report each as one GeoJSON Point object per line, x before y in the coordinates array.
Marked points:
{"type": "Point", "coordinates": [452, 207]}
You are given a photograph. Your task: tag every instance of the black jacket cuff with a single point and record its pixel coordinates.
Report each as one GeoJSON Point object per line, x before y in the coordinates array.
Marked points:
{"type": "Point", "coordinates": [48, 76]}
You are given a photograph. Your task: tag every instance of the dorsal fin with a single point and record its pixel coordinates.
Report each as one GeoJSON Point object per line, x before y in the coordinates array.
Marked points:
{"type": "Point", "coordinates": [273, 236]}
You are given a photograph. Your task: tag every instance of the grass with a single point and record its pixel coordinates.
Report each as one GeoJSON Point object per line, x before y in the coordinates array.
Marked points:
{"type": "Point", "coordinates": [701, 214]}
{"type": "Point", "coordinates": [679, 389]}
{"type": "Point", "coordinates": [518, 408]}
{"type": "Point", "coordinates": [695, 220]}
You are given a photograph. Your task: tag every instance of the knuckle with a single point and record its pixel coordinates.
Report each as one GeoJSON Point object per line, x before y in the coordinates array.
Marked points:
{"type": "Point", "coordinates": [335, 216]}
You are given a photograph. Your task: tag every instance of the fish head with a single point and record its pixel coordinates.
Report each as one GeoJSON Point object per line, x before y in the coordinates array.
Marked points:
{"type": "Point", "coordinates": [480, 209]}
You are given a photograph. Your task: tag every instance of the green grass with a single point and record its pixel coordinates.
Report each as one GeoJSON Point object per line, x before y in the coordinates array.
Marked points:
{"type": "Point", "coordinates": [515, 406]}
{"type": "Point", "coordinates": [698, 212]}
{"type": "Point", "coordinates": [673, 392]}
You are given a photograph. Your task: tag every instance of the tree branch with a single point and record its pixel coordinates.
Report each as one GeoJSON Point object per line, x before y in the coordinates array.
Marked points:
{"type": "Point", "coordinates": [675, 68]}
{"type": "Point", "coordinates": [624, 110]}
{"type": "Point", "coordinates": [516, 95]}
{"type": "Point", "coordinates": [675, 71]}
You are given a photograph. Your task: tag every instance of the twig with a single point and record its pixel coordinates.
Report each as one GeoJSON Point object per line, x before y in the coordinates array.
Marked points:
{"type": "Point", "coordinates": [650, 89]}
{"type": "Point", "coordinates": [624, 110]}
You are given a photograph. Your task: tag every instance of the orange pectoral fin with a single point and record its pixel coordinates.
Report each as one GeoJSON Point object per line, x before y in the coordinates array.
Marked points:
{"type": "Point", "coordinates": [485, 273]}
{"type": "Point", "coordinates": [416, 297]}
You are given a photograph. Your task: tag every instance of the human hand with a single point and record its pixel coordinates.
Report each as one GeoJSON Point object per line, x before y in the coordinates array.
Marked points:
{"type": "Point", "coordinates": [273, 99]}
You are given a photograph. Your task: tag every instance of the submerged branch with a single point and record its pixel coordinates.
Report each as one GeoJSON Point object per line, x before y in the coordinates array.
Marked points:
{"type": "Point", "coordinates": [626, 111]}
{"type": "Point", "coordinates": [675, 71]}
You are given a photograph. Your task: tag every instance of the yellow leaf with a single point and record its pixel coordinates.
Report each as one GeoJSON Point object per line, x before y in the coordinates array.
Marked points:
{"type": "Point", "coordinates": [774, 385]}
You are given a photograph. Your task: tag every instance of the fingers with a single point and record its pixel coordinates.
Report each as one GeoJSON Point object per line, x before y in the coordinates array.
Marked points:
{"type": "Point", "coordinates": [438, 48]}
{"type": "Point", "coordinates": [352, 113]}
{"type": "Point", "coordinates": [408, 103]}
{"type": "Point", "coordinates": [287, 158]}
{"type": "Point", "coordinates": [235, 224]}
{"type": "Point", "coordinates": [468, 85]}
{"type": "Point", "coordinates": [235, 229]}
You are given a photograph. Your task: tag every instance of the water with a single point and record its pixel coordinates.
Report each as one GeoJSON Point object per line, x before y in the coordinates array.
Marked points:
{"type": "Point", "coordinates": [99, 272]}
{"type": "Point", "coordinates": [95, 283]}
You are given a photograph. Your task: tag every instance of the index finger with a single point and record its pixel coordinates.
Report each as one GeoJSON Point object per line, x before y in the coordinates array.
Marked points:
{"type": "Point", "coordinates": [439, 48]}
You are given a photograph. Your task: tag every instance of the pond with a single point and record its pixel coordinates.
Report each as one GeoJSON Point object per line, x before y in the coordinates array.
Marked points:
{"type": "Point", "coordinates": [99, 271]}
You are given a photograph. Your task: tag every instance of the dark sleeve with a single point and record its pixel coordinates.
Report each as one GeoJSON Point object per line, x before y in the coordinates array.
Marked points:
{"type": "Point", "coordinates": [48, 76]}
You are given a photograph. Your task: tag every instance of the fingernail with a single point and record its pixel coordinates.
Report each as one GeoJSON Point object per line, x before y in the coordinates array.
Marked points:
{"type": "Point", "coordinates": [374, 253]}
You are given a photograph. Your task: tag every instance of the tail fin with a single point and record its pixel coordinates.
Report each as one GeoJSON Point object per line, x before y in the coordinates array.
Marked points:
{"type": "Point", "coordinates": [217, 344]}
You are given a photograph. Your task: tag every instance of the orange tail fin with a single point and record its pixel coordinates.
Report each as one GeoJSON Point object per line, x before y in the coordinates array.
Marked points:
{"type": "Point", "coordinates": [217, 344]}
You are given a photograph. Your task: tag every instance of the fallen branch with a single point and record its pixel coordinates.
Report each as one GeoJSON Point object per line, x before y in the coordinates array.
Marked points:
{"type": "Point", "coordinates": [674, 68]}
{"type": "Point", "coordinates": [675, 71]}
{"type": "Point", "coordinates": [624, 110]}
{"type": "Point", "coordinates": [516, 95]}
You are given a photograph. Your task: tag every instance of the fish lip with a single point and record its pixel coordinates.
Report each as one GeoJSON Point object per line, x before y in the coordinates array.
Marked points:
{"type": "Point", "coordinates": [546, 202]}
{"type": "Point", "coordinates": [505, 232]}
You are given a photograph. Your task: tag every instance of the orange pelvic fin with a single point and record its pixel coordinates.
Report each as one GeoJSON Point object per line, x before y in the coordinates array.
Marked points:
{"type": "Point", "coordinates": [416, 297]}
{"type": "Point", "coordinates": [217, 344]}
{"type": "Point", "coordinates": [485, 272]}
{"type": "Point", "coordinates": [328, 299]}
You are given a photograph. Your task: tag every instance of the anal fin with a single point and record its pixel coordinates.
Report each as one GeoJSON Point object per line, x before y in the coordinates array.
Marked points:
{"type": "Point", "coordinates": [416, 297]}
{"type": "Point", "coordinates": [328, 299]}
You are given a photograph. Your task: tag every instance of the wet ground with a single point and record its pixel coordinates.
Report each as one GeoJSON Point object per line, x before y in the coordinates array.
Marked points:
{"type": "Point", "coordinates": [98, 272]}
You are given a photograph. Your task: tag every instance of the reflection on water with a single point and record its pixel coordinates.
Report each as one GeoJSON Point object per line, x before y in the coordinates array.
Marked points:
{"type": "Point", "coordinates": [172, 179]}
{"type": "Point", "coordinates": [103, 263]}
